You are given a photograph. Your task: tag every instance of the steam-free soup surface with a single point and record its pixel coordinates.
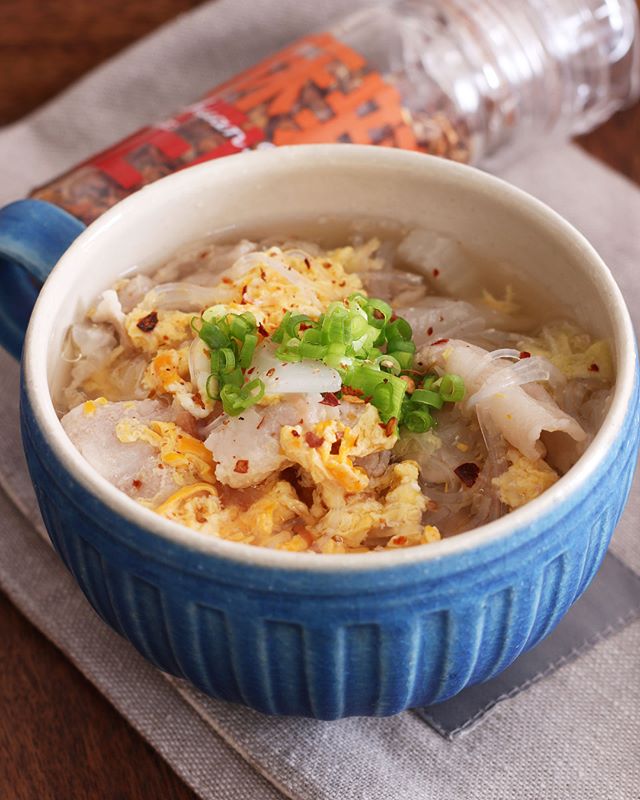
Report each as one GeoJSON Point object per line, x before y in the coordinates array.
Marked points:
{"type": "Point", "coordinates": [376, 393]}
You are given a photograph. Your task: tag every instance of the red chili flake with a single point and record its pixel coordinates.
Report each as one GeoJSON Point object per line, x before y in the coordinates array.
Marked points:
{"type": "Point", "coordinates": [136, 483]}
{"type": "Point", "coordinates": [440, 341]}
{"type": "Point", "coordinates": [377, 314]}
{"type": "Point", "coordinates": [270, 372]}
{"type": "Point", "coordinates": [263, 275]}
{"type": "Point", "coordinates": [312, 439]}
{"type": "Point", "coordinates": [327, 265]}
{"type": "Point", "coordinates": [335, 446]}
{"type": "Point", "coordinates": [244, 292]}
{"type": "Point", "coordinates": [429, 331]}
{"type": "Point", "coordinates": [295, 434]}
{"type": "Point", "coordinates": [390, 427]}
{"type": "Point", "coordinates": [260, 424]}
{"type": "Point", "coordinates": [352, 391]}
{"type": "Point", "coordinates": [525, 354]}
{"type": "Point", "coordinates": [307, 263]}
{"type": "Point", "coordinates": [400, 540]}
{"type": "Point", "coordinates": [197, 399]}
{"type": "Point", "coordinates": [436, 272]}
{"type": "Point", "coordinates": [251, 370]}
{"type": "Point", "coordinates": [262, 330]}
{"type": "Point", "coordinates": [594, 368]}
{"type": "Point", "coordinates": [160, 465]}
{"type": "Point", "coordinates": [468, 473]}
{"type": "Point", "coordinates": [203, 254]}
{"type": "Point", "coordinates": [393, 318]}
{"type": "Point", "coordinates": [242, 466]}
{"type": "Point", "coordinates": [227, 280]}
{"type": "Point", "coordinates": [342, 284]}
{"type": "Point", "coordinates": [304, 327]}
{"type": "Point", "coordinates": [148, 323]}
{"type": "Point", "coordinates": [329, 399]}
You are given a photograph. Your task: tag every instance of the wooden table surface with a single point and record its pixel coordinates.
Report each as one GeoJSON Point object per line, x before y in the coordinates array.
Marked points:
{"type": "Point", "coordinates": [59, 738]}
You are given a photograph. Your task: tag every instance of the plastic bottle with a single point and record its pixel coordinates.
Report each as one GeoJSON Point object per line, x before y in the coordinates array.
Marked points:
{"type": "Point", "coordinates": [471, 80]}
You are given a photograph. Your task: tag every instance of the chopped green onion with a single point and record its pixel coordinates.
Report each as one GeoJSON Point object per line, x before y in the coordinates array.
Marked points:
{"type": "Point", "coordinates": [359, 299]}
{"type": "Point", "coordinates": [213, 335]}
{"type": "Point", "coordinates": [378, 312]}
{"type": "Point", "coordinates": [390, 363]}
{"type": "Point", "coordinates": [399, 329]}
{"type": "Point", "coordinates": [294, 323]}
{"type": "Point", "coordinates": [401, 346]}
{"type": "Point", "coordinates": [212, 387]}
{"type": "Point", "coordinates": [403, 358]}
{"type": "Point", "coordinates": [250, 319]}
{"type": "Point", "coordinates": [427, 397]}
{"type": "Point", "coordinates": [290, 350]}
{"type": "Point", "coordinates": [231, 400]}
{"type": "Point", "coordinates": [240, 327]}
{"type": "Point", "coordinates": [452, 388]}
{"type": "Point", "coordinates": [429, 381]}
{"type": "Point", "coordinates": [418, 421]}
{"type": "Point", "coordinates": [223, 361]}
{"type": "Point", "coordinates": [383, 399]}
{"type": "Point", "coordinates": [254, 390]}
{"type": "Point", "coordinates": [278, 335]}
{"type": "Point", "coordinates": [247, 350]}
{"type": "Point", "coordinates": [366, 378]}
{"type": "Point", "coordinates": [358, 327]}
{"type": "Point", "coordinates": [315, 351]}
{"type": "Point", "coordinates": [312, 336]}
{"type": "Point", "coordinates": [235, 399]}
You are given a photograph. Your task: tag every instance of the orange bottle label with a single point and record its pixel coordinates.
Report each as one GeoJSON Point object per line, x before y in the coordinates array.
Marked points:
{"type": "Point", "coordinates": [315, 90]}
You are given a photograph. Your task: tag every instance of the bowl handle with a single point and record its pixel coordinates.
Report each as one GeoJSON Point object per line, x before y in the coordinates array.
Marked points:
{"type": "Point", "coordinates": [33, 236]}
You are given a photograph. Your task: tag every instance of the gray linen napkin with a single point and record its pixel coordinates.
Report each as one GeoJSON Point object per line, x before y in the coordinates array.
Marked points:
{"type": "Point", "coordinates": [573, 736]}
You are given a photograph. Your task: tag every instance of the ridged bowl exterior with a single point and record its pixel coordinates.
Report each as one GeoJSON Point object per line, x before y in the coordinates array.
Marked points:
{"type": "Point", "coordinates": [332, 644]}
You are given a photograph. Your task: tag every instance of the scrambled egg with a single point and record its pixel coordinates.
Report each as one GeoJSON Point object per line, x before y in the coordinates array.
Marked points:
{"type": "Point", "coordinates": [288, 281]}
{"type": "Point", "coordinates": [348, 508]}
{"type": "Point", "coordinates": [327, 451]}
{"type": "Point", "coordinates": [572, 351]}
{"type": "Point", "coordinates": [168, 373]}
{"type": "Point", "coordinates": [149, 330]}
{"type": "Point", "coordinates": [524, 480]}
{"type": "Point", "coordinates": [90, 406]}
{"type": "Point", "coordinates": [360, 258]}
{"type": "Point", "coordinates": [397, 504]}
{"type": "Point", "coordinates": [199, 507]}
{"type": "Point", "coordinates": [186, 456]}
{"type": "Point", "coordinates": [279, 519]}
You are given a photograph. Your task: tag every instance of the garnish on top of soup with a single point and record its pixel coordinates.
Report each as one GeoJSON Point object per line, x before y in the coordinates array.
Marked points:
{"type": "Point", "coordinates": [326, 400]}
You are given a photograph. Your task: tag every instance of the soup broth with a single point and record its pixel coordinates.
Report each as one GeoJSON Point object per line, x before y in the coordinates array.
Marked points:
{"type": "Point", "coordinates": [357, 387]}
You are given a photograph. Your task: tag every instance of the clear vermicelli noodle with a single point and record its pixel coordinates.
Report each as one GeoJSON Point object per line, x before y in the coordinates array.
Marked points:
{"type": "Point", "coordinates": [316, 399]}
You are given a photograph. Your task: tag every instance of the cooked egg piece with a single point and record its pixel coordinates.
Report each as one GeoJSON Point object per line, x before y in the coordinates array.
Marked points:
{"type": "Point", "coordinates": [572, 351]}
{"type": "Point", "coordinates": [327, 450]}
{"type": "Point", "coordinates": [149, 329]}
{"type": "Point", "coordinates": [524, 480]}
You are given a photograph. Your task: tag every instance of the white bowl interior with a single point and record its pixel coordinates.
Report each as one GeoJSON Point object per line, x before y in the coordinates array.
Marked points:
{"type": "Point", "coordinates": [279, 188]}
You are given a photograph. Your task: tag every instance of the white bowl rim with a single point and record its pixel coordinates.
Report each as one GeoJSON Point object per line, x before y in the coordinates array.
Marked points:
{"type": "Point", "coordinates": [37, 388]}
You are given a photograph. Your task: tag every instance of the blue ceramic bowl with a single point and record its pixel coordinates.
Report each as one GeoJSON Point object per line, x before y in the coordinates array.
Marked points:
{"type": "Point", "coordinates": [321, 636]}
